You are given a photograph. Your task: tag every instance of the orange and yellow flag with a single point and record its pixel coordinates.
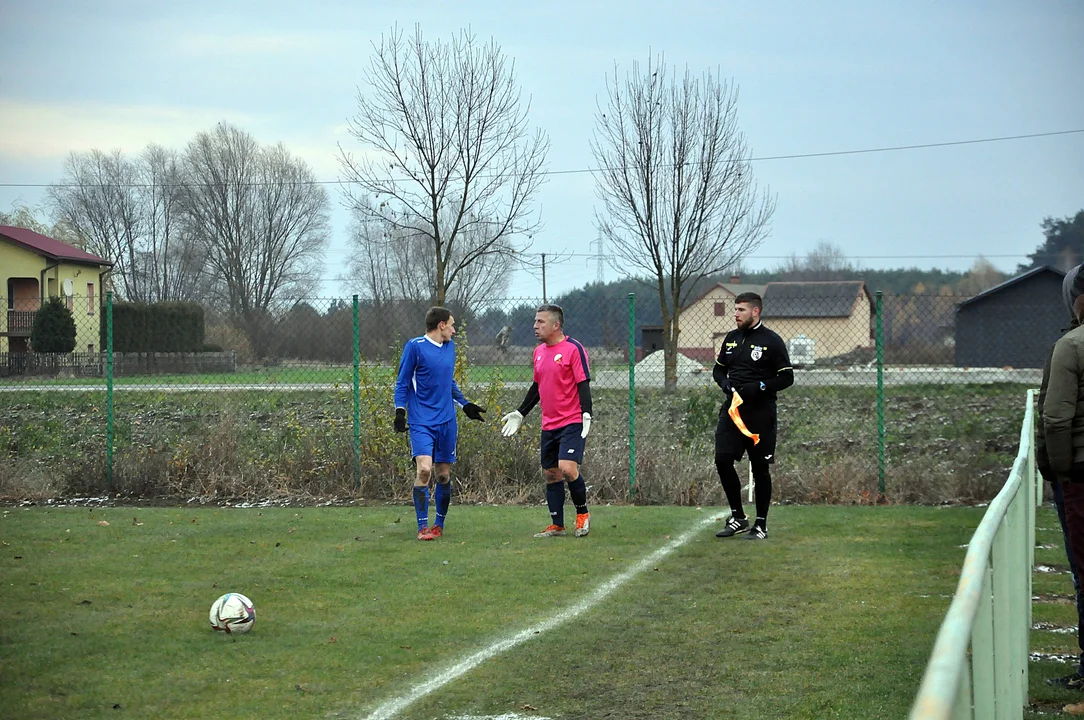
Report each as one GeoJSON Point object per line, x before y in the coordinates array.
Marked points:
{"type": "Point", "coordinates": [735, 403]}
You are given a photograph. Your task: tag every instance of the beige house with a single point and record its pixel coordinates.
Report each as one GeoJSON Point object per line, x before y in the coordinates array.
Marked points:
{"type": "Point", "coordinates": [709, 317]}
{"type": "Point", "coordinates": [817, 320]}
{"type": "Point", "coordinates": [34, 267]}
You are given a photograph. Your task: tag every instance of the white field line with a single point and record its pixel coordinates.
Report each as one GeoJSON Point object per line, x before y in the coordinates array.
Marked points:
{"type": "Point", "coordinates": [391, 707]}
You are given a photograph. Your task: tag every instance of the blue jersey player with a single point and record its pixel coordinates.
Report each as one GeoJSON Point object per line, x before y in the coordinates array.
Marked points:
{"type": "Point", "coordinates": [426, 392]}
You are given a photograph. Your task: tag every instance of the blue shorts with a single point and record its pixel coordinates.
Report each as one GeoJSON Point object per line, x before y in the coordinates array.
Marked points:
{"type": "Point", "coordinates": [436, 441]}
{"type": "Point", "coordinates": [563, 443]}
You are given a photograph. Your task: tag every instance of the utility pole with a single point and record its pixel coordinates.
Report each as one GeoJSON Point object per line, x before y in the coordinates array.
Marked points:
{"type": "Point", "coordinates": [544, 301]}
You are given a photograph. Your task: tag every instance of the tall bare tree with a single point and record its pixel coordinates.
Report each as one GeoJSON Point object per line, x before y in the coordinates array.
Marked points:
{"type": "Point", "coordinates": [98, 198]}
{"type": "Point", "coordinates": [447, 152]}
{"type": "Point", "coordinates": [261, 220]}
{"type": "Point", "coordinates": [170, 264]}
{"type": "Point", "coordinates": [678, 197]}
{"type": "Point", "coordinates": [129, 211]}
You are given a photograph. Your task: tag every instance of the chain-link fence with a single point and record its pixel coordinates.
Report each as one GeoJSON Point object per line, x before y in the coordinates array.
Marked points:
{"type": "Point", "coordinates": [916, 397]}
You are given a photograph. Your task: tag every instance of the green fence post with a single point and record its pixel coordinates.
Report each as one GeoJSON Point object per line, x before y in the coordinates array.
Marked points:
{"type": "Point", "coordinates": [880, 403]}
{"type": "Point", "coordinates": [632, 395]}
{"type": "Point", "coordinates": [109, 389]}
{"type": "Point", "coordinates": [357, 400]}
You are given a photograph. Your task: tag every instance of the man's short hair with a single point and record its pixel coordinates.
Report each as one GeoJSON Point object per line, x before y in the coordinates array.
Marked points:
{"type": "Point", "coordinates": [556, 310]}
{"type": "Point", "coordinates": [1072, 287]}
{"type": "Point", "coordinates": [435, 316]}
{"type": "Point", "coordinates": [750, 298]}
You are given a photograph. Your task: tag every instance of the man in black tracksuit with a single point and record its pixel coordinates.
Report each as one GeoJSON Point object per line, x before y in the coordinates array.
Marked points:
{"type": "Point", "coordinates": [753, 362]}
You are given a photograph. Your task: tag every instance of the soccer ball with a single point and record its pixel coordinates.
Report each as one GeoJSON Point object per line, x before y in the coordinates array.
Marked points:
{"type": "Point", "coordinates": [233, 613]}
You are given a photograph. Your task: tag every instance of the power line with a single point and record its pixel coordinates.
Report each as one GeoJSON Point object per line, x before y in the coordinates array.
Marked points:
{"type": "Point", "coordinates": [566, 257]}
{"type": "Point", "coordinates": [764, 158]}
{"type": "Point", "coordinates": [892, 148]}
{"type": "Point", "coordinates": [612, 256]}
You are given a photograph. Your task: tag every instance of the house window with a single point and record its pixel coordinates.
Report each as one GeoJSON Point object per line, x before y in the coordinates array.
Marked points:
{"type": "Point", "coordinates": [720, 309]}
{"type": "Point", "coordinates": [90, 298]}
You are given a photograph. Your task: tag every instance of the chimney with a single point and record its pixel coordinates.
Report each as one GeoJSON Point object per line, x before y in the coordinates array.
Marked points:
{"type": "Point", "coordinates": [735, 279]}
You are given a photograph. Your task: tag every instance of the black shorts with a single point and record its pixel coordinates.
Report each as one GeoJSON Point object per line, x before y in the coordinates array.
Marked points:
{"type": "Point", "coordinates": [563, 443]}
{"type": "Point", "coordinates": [730, 440]}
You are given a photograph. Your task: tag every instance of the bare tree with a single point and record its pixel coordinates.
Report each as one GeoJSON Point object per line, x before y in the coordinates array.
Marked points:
{"type": "Point", "coordinates": [392, 265]}
{"type": "Point", "coordinates": [97, 197]}
{"type": "Point", "coordinates": [486, 277]}
{"type": "Point", "coordinates": [389, 263]}
{"type": "Point", "coordinates": [678, 195]}
{"type": "Point", "coordinates": [371, 264]}
{"type": "Point", "coordinates": [447, 152]}
{"type": "Point", "coordinates": [261, 220]}
{"type": "Point", "coordinates": [825, 261]}
{"type": "Point", "coordinates": [170, 264]}
{"type": "Point", "coordinates": [129, 211]}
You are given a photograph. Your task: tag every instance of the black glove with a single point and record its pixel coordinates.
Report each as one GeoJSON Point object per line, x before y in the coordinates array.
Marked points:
{"type": "Point", "coordinates": [750, 390]}
{"type": "Point", "coordinates": [1042, 464]}
{"type": "Point", "coordinates": [727, 387]}
{"type": "Point", "coordinates": [474, 412]}
{"type": "Point", "coordinates": [400, 419]}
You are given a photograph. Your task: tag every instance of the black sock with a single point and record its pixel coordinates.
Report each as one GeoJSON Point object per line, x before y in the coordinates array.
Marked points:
{"type": "Point", "coordinates": [577, 490]}
{"type": "Point", "coordinates": [762, 483]}
{"type": "Point", "coordinates": [555, 499]}
{"type": "Point", "coordinates": [728, 476]}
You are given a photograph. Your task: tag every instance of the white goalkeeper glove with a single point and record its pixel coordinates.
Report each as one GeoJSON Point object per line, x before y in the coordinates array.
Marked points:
{"type": "Point", "coordinates": [512, 423]}
{"type": "Point", "coordinates": [586, 425]}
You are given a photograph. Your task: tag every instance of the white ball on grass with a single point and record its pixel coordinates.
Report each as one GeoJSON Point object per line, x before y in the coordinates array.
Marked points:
{"type": "Point", "coordinates": [233, 613]}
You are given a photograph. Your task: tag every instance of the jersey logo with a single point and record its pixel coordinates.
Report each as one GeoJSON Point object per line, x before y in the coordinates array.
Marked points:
{"type": "Point", "coordinates": [757, 353]}
{"type": "Point", "coordinates": [557, 358]}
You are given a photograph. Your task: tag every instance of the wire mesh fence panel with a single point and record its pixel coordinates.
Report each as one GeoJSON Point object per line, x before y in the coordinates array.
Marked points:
{"type": "Point", "coordinates": [883, 400]}
{"type": "Point", "coordinates": [53, 402]}
{"type": "Point", "coordinates": [912, 394]}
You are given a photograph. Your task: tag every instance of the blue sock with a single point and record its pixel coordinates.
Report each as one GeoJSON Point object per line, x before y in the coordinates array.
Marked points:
{"type": "Point", "coordinates": [443, 499]}
{"type": "Point", "coordinates": [577, 490]}
{"type": "Point", "coordinates": [555, 499]}
{"type": "Point", "coordinates": [421, 505]}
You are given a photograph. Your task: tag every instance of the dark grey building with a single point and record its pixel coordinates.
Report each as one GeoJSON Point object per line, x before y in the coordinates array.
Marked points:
{"type": "Point", "coordinates": [1013, 324]}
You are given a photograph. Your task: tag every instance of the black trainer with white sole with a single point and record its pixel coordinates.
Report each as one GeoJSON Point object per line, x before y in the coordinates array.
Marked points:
{"type": "Point", "coordinates": [757, 533]}
{"type": "Point", "coordinates": [1070, 682]}
{"type": "Point", "coordinates": [733, 527]}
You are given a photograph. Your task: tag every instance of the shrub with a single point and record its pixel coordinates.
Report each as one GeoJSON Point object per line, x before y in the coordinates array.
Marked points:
{"type": "Point", "coordinates": [54, 328]}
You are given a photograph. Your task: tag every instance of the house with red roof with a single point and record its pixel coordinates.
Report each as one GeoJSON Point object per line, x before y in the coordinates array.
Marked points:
{"type": "Point", "coordinates": [34, 267]}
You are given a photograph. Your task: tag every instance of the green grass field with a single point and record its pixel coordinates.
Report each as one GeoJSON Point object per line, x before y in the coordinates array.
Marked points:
{"type": "Point", "coordinates": [286, 375]}
{"type": "Point", "coordinates": [833, 617]}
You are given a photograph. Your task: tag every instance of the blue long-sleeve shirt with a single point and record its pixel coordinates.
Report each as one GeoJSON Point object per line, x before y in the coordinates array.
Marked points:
{"type": "Point", "coordinates": [426, 384]}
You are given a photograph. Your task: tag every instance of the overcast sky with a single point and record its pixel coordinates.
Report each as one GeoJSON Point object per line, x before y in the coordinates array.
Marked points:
{"type": "Point", "coordinates": [814, 77]}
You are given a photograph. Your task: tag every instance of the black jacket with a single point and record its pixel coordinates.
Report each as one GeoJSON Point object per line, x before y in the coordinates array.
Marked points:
{"type": "Point", "coordinates": [754, 362]}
